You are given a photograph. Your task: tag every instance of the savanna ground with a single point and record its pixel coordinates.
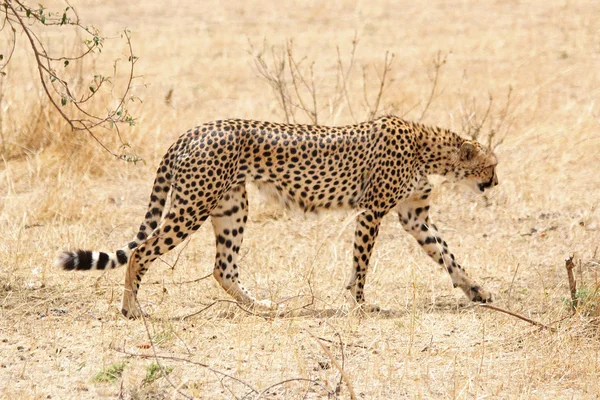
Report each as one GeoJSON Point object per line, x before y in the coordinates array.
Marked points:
{"type": "Point", "coordinates": [62, 335]}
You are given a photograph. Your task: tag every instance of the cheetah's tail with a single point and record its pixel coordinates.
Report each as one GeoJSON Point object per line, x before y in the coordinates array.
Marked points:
{"type": "Point", "coordinates": [84, 260]}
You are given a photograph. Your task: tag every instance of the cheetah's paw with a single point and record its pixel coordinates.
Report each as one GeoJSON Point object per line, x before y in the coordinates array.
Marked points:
{"type": "Point", "coordinates": [478, 294]}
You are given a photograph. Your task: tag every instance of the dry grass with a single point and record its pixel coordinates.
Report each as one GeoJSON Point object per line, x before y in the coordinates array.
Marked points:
{"type": "Point", "coordinates": [61, 335]}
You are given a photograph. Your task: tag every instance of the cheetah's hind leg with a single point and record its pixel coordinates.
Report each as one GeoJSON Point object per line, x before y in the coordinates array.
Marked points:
{"type": "Point", "coordinates": [229, 221]}
{"type": "Point", "coordinates": [173, 229]}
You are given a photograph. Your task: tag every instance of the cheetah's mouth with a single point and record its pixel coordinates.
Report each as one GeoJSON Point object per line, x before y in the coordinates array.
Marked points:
{"type": "Point", "coordinates": [484, 185]}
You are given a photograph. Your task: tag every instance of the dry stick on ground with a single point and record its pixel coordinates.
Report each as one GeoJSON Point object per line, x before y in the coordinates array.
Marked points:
{"type": "Point", "coordinates": [521, 317]}
{"type": "Point", "coordinates": [197, 312]}
{"type": "Point", "coordinates": [162, 369]}
{"type": "Point", "coordinates": [360, 346]}
{"type": "Point", "coordinates": [156, 357]}
{"type": "Point", "coordinates": [188, 361]}
{"type": "Point", "coordinates": [569, 265]}
{"type": "Point", "coordinates": [265, 390]}
{"type": "Point", "coordinates": [338, 387]}
{"type": "Point", "coordinates": [266, 315]}
{"type": "Point", "coordinates": [337, 365]}
{"type": "Point", "coordinates": [182, 282]}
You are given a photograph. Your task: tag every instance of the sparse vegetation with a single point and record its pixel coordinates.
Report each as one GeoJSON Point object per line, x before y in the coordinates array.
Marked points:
{"type": "Point", "coordinates": [61, 190]}
{"type": "Point", "coordinates": [110, 374]}
{"type": "Point", "coordinates": [154, 371]}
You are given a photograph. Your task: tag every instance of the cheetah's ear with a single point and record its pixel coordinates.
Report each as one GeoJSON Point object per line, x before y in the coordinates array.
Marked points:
{"type": "Point", "coordinates": [467, 151]}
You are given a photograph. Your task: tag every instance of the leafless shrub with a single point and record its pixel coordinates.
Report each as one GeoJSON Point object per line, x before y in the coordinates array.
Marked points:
{"type": "Point", "coordinates": [373, 108]}
{"type": "Point", "coordinates": [497, 121]}
{"type": "Point", "coordinates": [70, 99]}
{"type": "Point", "coordinates": [438, 62]}
{"type": "Point", "coordinates": [292, 80]}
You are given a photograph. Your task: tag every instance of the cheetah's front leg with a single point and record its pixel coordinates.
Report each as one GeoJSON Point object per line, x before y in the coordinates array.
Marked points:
{"type": "Point", "coordinates": [414, 217]}
{"type": "Point", "coordinates": [367, 228]}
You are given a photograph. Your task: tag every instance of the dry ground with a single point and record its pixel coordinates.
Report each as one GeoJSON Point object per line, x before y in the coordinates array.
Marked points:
{"type": "Point", "coordinates": [59, 332]}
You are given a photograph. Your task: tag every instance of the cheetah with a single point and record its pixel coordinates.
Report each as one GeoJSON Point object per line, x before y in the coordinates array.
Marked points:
{"type": "Point", "coordinates": [373, 167]}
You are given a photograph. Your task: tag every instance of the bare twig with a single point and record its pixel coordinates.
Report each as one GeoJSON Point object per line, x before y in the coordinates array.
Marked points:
{"type": "Point", "coordinates": [294, 86]}
{"type": "Point", "coordinates": [188, 361]}
{"type": "Point", "coordinates": [297, 77]}
{"type": "Point", "coordinates": [569, 265]}
{"type": "Point", "coordinates": [342, 75]}
{"type": "Point", "coordinates": [265, 390]}
{"type": "Point", "coordinates": [275, 78]}
{"type": "Point", "coordinates": [496, 121]}
{"type": "Point", "coordinates": [265, 315]}
{"type": "Point", "coordinates": [512, 282]}
{"type": "Point", "coordinates": [387, 65]}
{"type": "Point", "coordinates": [156, 358]}
{"type": "Point", "coordinates": [198, 312]}
{"type": "Point", "coordinates": [360, 346]}
{"type": "Point", "coordinates": [182, 282]}
{"type": "Point", "coordinates": [337, 365]}
{"type": "Point", "coordinates": [532, 322]}
{"type": "Point", "coordinates": [499, 126]}
{"type": "Point", "coordinates": [438, 63]}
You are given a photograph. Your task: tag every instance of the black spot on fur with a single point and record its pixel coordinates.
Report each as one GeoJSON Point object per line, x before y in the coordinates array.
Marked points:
{"type": "Point", "coordinates": [121, 257]}
{"type": "Point", "coordinates": [102, 261]}
{"type": "Point", "coordinates": [85, 260]}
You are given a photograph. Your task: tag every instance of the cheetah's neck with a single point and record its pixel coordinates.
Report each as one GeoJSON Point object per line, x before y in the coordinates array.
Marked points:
{"type": "Point", "coordinates": [437, 149]}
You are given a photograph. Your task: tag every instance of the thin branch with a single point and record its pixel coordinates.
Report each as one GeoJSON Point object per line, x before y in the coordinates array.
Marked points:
{"type": "Point", "coordinates": [265, 390]}
{"type": "Point", "coordinates": [438, 63]}
{"type": "Point", "coordinates": [53, 85]}
{"type": "Point", "coordinates": [337, 365]}
{"type": "Point", "coordinates": [296, 75]}
{"type": "Point", "coordinates": [373, 109]}
{"type": "Point", "coordinates": [188, 361]}
{"type": "Point", "coordinates": [512, 282]}
{"type": "Point", "coordinates": [346, 74]}
{"type": "Point", "coordinates": [360, 346]}
{"type": "Point", "coordinates": [162, 369]}
{"type": "Point", "coordinates": [569, 265]}
{"type": "Point", "coordinates": [532, 322]}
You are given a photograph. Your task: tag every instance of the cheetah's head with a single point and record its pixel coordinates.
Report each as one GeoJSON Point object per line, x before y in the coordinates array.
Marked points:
{"type": "Point", "coordinates": [476, 166]}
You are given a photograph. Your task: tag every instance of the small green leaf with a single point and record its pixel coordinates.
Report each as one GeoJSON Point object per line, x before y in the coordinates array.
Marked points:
{"type": "Point", "coordinates": [28, 13]}
{"type": "Point", "coordinates": [66, 62]}
{"type": "Point", "coordinates": [1, 57]}
{"type": "Point", "coordinates": [92, 89]}
{"type": "Point", "coordinates": [44, 19]}
{"type": "Point", "coordinates": [64, 19]}
{"type": "Point", "coordinates": [63, 101]}
{"type": "Point", "coordinates": [2, 73]}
